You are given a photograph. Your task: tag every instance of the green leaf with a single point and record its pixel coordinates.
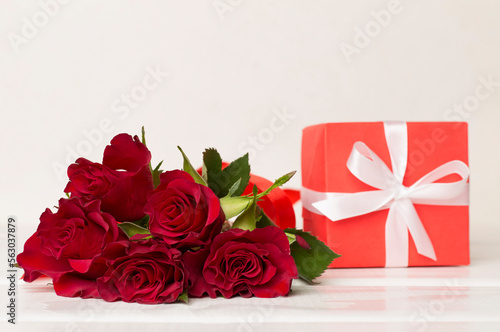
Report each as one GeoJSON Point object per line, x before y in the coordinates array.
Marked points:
{"type": "Point", "coordinates": [143, 222]}
{"type": "Point", "coordinates": [234, 188]}
{"type": "Point", "coordinates": [291, 238]}
{"type": "Point", "coordinates": [247, 220]}
{"type": "Point", "coordinates": [212, 166]}
{"type": "Point", "coordinates": [312, 262]}
{"type": "Point", "coordinates": [221, 182]}
{"type": "Point", "coordinates": [204, 175]}
{"type": "Point", "coordinates": [264, 220]}
{"type": "Point", "coordinates": [67, 195]}
{"type": "Point", "coordinates": [233, 206]}
{"type": "Point", "coordinates": [132, 229]}
{"type": "Point", "coordinates": [187, 167]}
{"type": "Point", "coordinates": [277, 183]}
{"type": "Point", "coordinates": [156, 174]}
{"type": "Point", "coordinates": [183, 297]}
{"type": "Point", "coordinates": [212, 161]}
{"type": "Point", "coordinates": [143, 140]}
{"type": "Point", "coordinates": [237, 170]}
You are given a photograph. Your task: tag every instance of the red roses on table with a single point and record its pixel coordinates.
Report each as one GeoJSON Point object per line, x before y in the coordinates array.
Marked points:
{"type": "Point", "coordinates": [119, 238]}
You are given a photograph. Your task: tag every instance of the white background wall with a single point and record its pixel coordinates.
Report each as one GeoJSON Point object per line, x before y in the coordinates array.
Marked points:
{"type": "Point", "coordinates": [232, 66]}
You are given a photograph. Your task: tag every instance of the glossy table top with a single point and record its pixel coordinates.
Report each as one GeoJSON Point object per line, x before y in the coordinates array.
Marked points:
{"type": "Point", "coordinates": [465, 298]}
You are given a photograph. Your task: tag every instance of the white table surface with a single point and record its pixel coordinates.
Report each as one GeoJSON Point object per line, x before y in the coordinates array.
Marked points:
{"type": "Point", "coordinates": [463, 298]}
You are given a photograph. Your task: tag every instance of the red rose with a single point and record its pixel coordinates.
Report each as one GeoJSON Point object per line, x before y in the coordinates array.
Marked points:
{"type": "Point", "coordinates": [182, 213]}
{"type": "Point", "coordinates": [91, 181]}
{"type": "Point", "coordinates": [68, 242]}
{"type": "Point", "coordinates": [121, 182]}
{"type": "Point", "coordinates": [243, 263]}
{"type": "Point", "coordinates": [126, 153]}
{"type": "Point", "coordinates": [150, 273]}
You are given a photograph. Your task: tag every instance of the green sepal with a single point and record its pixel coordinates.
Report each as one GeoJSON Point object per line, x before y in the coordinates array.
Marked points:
{"type": "Point", "coordinates": [277, 183]}
{"type": "Point", "coordinates": [263, 220]}
{"type": "Point", "coordinates": [156, 174]}
{"type": "Point", "coordinates": [143, 222]}
{"type": "Point", "coordinates": [143, 135]}
{"type": "Point", "coordinates": [183, 297]}
{"type": "Point", "coordinates": [312, 262]}
{"type": "Point", "coordinates": [187, 167]}
{"type": "Point", "coordinates": [143, 140]}
{"type": "Point", "coordinates": [233, 206]}
{"type": "Point", "coordinates": [234, 188]}
{"type": "Point", "coordinates": [204, 175]}
{"type": "Point", "coordinates": [247, 220]}
{"type": "Point", "coordinates": [291, 238]}
{"type": "Point", "coordinates": [132, 229]}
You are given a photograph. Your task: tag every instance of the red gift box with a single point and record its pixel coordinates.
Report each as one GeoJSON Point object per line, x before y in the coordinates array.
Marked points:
{"type": "Point", "coordinates": [388, 194]}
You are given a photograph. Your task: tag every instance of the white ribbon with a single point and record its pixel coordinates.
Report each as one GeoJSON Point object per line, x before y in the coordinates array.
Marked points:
{"type": "Point", "coordinates": [365, 165]}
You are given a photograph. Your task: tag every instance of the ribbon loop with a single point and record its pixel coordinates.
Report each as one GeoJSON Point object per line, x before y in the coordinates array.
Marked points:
{"type": "Point", "coordinates": [364, 164]}
{"type": "Point", "coordinates": [352, 205]}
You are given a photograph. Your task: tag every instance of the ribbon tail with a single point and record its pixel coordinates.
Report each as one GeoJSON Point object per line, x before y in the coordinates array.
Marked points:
{"type": "Point", "coordinates": [417, 231]}
{"type": "Point", "coordinates": [396, 239]}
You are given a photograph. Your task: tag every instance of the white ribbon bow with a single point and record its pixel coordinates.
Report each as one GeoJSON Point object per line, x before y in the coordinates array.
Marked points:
{"type": "Point", "coordinates": [365, 165]}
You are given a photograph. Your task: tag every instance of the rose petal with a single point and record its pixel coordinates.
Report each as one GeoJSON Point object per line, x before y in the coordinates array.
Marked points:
{"type": "Point", "coordinates": [194, 262]}
{"type": "Point", "coordinates": [80, 265]}
{"type": "Point", "coordinates": [72, 286]}
{"type": "Point", "coordinates": [35, 263]}
{"type": "Point", "coordinates": [126, 153]}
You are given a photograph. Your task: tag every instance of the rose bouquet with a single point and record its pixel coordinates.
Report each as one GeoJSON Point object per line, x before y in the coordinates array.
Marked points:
{"type": "Point", "coordinates": [131, 232]}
